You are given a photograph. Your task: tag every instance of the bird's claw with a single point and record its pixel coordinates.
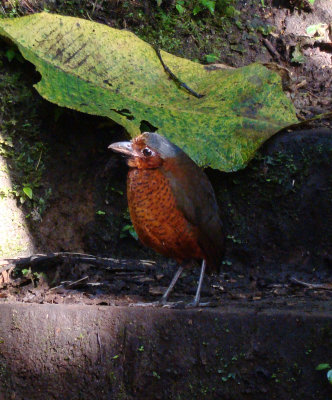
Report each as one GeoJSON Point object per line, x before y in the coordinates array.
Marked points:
{"type": "Point", "coordinates": [177, 305]}
{"type": "Point", "coordinates": [197, 304]}
{"type": "Point", "coordinates": [159, 303]}
{"type": "Point", "coordinates": [153, 304]}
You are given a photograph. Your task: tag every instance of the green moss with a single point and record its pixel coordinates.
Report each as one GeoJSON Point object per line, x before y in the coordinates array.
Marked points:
{"type": "Point", "coordinates": [21, 145]}
{"type": "Point", "coordinates": [4, 374]}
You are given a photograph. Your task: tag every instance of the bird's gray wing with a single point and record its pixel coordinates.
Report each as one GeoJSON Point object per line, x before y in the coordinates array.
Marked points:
{"type": "Point", "coordinates": [196, 199]}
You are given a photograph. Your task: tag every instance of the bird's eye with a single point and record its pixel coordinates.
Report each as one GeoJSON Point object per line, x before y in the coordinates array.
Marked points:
{"type": "Point", "coordinates": [147, 152]}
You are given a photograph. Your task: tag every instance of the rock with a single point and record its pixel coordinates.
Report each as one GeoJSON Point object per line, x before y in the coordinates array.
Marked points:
{"type": "Point", "coordinates": [79, 352]}
{"type": "Point", "coordinates": [278, 211]}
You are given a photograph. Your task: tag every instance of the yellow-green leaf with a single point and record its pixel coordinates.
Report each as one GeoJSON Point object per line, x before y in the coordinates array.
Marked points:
{"type": "Point", "coordinates": [103, 71]}
{"type": "Point", "coordinates": [27, 191]}
{"type": "Point", "coordinates": [320, 367]}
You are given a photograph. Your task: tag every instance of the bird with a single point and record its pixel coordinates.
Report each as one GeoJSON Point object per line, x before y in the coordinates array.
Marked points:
{"type": "Point", "coordinates": [172, 206]}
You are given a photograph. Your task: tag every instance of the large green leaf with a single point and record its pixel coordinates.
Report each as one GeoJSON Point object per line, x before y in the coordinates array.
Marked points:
{"type": "Point", "coordinates": [103, 71]}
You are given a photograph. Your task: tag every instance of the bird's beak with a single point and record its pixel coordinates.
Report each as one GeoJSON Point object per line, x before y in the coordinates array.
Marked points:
{"type": "Point", "coordinates": [122, 147]}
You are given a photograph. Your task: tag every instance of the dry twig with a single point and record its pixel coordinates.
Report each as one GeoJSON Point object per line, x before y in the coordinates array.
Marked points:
{"type": "Point", "coordinates": [46, 261]}
{"type": "Point", "coordinates": [323, 286]}
{"type": "Point", "coordinates": [272, 50]}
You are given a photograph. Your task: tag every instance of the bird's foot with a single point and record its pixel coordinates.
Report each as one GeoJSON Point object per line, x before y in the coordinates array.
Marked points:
{"type": "Point", "coordinates": [160, 303]}
{"type": "Point", "coordinates": [151, 304]}
{"type": "Point", "coordinates": [180, 305]}
{"type": "Point", "coordinates": [196, 304]}
{"type": "Point", "coordinates": [175, 305]}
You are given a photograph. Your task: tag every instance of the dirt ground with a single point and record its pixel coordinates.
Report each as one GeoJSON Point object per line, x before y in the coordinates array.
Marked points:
{"type": "Point", "coordinates": [268, 240]}
{"type": "Point", "coordinates": [275, 251]}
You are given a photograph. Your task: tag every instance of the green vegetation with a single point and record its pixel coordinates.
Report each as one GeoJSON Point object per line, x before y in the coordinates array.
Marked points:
{"type": "Point", "coordinates": [198, 7]}
{"type": "Point", "coordinates": [33, 276]}
{"type": "Point", "coordinates": [323, 367]}
{"type": "Point", "coordinates": [297, 56]}
{"type": "Point", "coordinates": [20, 143]}
{"type": "Point", "coordinates": [155, 374]}
{"type": "Point", "coordinates": [186, 27]}
{"type": "Point", "coordinates": [100, 212]}
{"type": "Point", "coordinates": [128, 229]}
{"type": "Point", "coordinates": [234, 110]}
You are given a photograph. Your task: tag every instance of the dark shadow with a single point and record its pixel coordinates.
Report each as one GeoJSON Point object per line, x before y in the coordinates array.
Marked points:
{"type": "Point", "coordinates": [147, 127]}
{"type": "Point", "coordinates": [300, 5]}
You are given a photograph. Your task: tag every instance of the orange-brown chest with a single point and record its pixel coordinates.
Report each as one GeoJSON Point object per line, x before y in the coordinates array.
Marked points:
{"type": "Point", "coordinates": [156, 218]}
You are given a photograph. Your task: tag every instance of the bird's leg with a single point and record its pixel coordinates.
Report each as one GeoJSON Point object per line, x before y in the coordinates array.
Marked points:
{"type": "Point", "coordinates": [164, 298]}
{"type": "Point", "coordinates": [163, 301]}
{"type": "Point", "coordinates": [196, 302]}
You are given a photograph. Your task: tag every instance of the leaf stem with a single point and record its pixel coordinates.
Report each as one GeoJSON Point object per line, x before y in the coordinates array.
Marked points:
{"type": "Point", "coordinates": [175, 78]}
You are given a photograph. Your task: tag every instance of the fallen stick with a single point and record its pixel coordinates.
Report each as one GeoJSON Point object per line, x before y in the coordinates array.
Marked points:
{"type": "Point", "coordinates": [47, 260]}
{"type": "Point", "coordinates": [324, 286]}
{"type": "Point", "coordinates": [70, 284]}
{"type": "Point", "coordinates": [272, 50]}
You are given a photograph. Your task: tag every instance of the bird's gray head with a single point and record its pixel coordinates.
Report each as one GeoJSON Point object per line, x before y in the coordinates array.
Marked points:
{"type": "Point", "coordinates": [148, 150]}
{"type": "Point", "coordinates": [160, 144]}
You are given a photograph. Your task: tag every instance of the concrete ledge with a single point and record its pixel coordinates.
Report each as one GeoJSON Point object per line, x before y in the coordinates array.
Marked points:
{"type": "Point", "coordinates": [84, 352]}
